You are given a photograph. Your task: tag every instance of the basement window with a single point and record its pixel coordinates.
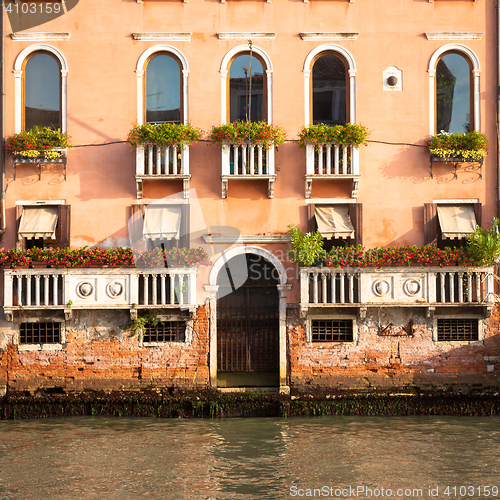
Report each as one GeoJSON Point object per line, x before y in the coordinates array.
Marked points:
{"type": "Point", "coordinates": [165, 331]}
{"type": "Point", "coordinates": [332, 330]}
{"type": "Point", "coordinates": [457, 329]}
{"type": "Point", "coordinates": [41, 335]}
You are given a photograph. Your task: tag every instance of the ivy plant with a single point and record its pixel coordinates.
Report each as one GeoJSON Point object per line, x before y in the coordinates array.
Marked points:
{"type": "Point", "coordinates": [139, 324]}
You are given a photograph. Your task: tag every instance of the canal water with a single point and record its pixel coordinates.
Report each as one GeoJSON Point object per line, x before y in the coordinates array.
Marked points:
{"type": "Point", "coordinates": [266, 458]}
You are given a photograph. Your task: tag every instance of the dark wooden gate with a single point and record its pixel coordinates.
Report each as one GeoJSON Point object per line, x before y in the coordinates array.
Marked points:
{"type": "Point", "coordinates": [248, 321]}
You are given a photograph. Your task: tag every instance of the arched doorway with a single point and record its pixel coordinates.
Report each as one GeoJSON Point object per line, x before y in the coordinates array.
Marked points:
{"type": "Point", "coordinates": [248, 327]}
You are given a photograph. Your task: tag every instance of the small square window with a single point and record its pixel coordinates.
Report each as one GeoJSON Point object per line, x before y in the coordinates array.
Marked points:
{"type": "Point", "coordinates": [332, 330]}
{"type": "Point", "coordinates": [165, 331]}
{"type": "Point", "coordinates": [40, 333]}
{"type": "Point", "coordinates": [457, 329]}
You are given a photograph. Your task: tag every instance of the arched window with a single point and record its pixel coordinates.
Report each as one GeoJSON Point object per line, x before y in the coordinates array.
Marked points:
{"type": "Point", "coordinates": [329, 90]}
{"type": "Point", "coordinates": [162, 86]}
{"type": "Point", "coordinates": [454, 101]}
{"type": "Point", "coordinates": [454, 90]}
{"type": "Point", "coordinates": [247, 77]}
{"type": "Point", "coordinates": [42, 92]}
{"type": "Point", "coordinates": [162, 96]}
{"type": "Point", "coordinates": [329, 86]}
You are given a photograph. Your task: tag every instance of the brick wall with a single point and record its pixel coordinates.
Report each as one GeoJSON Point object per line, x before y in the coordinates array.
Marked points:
{"type": "Point", "coordinates": [395, 362]}
{"type": "Point", "coordinates": [99, 355]}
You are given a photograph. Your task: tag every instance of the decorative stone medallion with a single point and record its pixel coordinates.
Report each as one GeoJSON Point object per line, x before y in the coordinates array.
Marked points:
{"type": "Point", "coordinates": [381, 287]}
{"type": "Point", "coordinates": [114, 289]}
{"type": "Point", "coordinates": [84, 289]}
{"type": "Point", "coordinates": [412, 287]}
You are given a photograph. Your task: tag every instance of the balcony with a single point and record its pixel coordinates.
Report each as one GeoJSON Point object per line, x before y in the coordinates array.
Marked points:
{"type": "Point", "coordinates": [113, 288]}
{"type": "Point", "coordinates": [162, 163]}
{"type": "Point", "coordinates": [452, 287]}
{"type": "Point", "coordinates": [247, 162]}
{"type": "Point", "coordinates": [332, 162]}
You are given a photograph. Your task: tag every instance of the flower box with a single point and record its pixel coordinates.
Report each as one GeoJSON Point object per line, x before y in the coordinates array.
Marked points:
{"type": "Point", "coordinates": [54, 155]}
{"type": "Point", "coordinates": [470, 147]}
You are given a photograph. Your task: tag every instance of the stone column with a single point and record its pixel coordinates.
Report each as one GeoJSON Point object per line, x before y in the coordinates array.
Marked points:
{"type": "Point", "coordinates": [212, 321]}
{"type": "Point", "coordinates": [283, 290]}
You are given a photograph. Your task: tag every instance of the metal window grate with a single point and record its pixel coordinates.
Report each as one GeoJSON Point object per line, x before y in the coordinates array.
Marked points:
{"type": "Point", "coordinates": [332, 330]}
{"type": "Point", "coordinates": [458, 329]}
{"type": "Point", "coordinates": [40, 333]}
{"type": "Point", "coordinates": [166, 331]}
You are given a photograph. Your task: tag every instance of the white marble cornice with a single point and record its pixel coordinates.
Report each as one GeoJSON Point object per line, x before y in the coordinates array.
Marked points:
{"type": "Point", "coordinates": [162, 37]}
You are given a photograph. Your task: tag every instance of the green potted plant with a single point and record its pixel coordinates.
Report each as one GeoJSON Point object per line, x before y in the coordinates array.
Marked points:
{"type": "Point", "coordinates": [38, 144]}
{"type": "Point", "coordinates": [350, 134]}
{"type": "Point", "coordinates": [467, 147]}
{"type": "Point", "coordinates": [259, 133]}
{"type": "Point", "coordinates": [307, 249]}
{"type": "Point", "coordinates": [177, 135]}
{"type": "Point", "coordinates": [483, 245]}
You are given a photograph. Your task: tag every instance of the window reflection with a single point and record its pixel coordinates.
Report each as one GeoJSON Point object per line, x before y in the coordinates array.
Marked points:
{"type": "Point", "coordinates": [239, 89]}
{"type": "Point", "coordinates": [329, 90]}
{"type": "Point", "coordinates": [163, 90]}
{"type": "Point", "coordinates": [42, 87]}
{"type": "Point", "coordinates": [453, 99]}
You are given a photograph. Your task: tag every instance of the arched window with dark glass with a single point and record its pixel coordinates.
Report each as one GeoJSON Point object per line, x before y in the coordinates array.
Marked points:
{"type": "Point", "coordinates": [163, 90]}
{"type": "Point", "coordinates": [246, 79]}
{"type": "Point", "coordinates": [42, 91]}
{"type": "Point", "coordinates": [453, 94]}
{"type": "Point", "coordinates": [329, 90]}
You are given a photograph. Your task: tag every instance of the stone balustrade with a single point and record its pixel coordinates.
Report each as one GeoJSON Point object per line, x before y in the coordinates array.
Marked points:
{"type": "Point", "coordinates": [161, 162]}
{"type": "Point", "coordinates": [247, 161]}
{"type": "Point", "coordinates": [99, 288]}
{"type": "Point", "coordinates": [412, 286]}
{"type": "Point", "coordinates": [332, 161]}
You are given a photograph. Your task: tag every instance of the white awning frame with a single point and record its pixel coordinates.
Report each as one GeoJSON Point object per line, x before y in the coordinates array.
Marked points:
{"type": "Point", "coordinates": [39, 222]}
{"type": "Point", "coordinates": [456, 221]}
{"type": "Point", "coordinates": [162, 222]}
{"type": "Point", "coordinates": [334, 222]}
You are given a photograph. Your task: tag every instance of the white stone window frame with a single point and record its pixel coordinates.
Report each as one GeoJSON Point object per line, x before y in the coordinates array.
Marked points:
{"type": "Point", "coordinates": [458, 343]}
{"type": "Point", "coordinates": [188, 333]}
{"type": "Point", "coordinates": [141, 70]}
{"type": "Point", "coordinates": [330, 316]}
{"type": "Point", "coordinates": [18, 83]}
{"type": "Point", "coordinates": [224, 73]}
{"type": "Point", "coordinates": [476, 91]}
{"type": "Point", "coordinates": [41, 347]}
{"type": "Point", "coordinates": [351, 70]}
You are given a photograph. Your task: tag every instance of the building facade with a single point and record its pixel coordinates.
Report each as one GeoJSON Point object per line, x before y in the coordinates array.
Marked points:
{"type": "Point", "coordinates": [404, 69]}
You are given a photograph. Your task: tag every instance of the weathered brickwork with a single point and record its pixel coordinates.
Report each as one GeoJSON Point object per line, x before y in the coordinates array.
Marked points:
{"type": "Point", "coordinates": [98, 354]}
{"type": "Point", "coordinates": [395, 362]}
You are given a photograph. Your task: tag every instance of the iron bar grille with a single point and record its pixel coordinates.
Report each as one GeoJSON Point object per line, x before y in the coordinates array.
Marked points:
{"type": "Point", "coordinates": [40, 333]}
{"type": "Point", "coordinates": [166, 331]}
{"type": "Point", "coordinates": [332, 330]}
{"type": "Point", "coordinates": [458, 329]}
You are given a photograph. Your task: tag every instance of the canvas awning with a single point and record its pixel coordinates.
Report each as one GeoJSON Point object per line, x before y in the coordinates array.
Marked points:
{"type": "Point", "coordinates": [162, 222]}
{"type": "Point", "coordinates": [334, 222]}
{"type": "Point", "coordinates": [38, 222]}
{"type": "Point", "coordinates": [456, 221]}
